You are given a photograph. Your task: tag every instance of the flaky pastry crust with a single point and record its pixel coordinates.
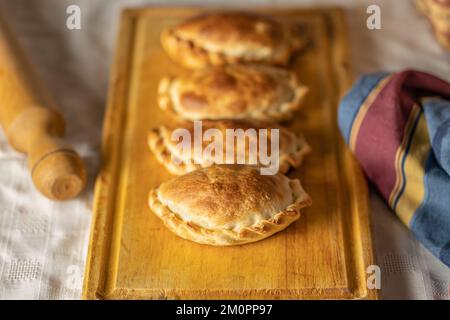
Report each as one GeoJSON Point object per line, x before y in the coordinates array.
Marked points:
{"type": "Point", "coordinates": [292, 148]}
{"type": "Point", "coordinates": [225, 205]}
{"type": "Point", "coordinates": [256, 92]}
{"type": "Point", "coordinates": [220, 38]}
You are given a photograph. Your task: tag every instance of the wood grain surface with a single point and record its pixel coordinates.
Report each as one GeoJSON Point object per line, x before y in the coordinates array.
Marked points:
{"type": "Point", "coordinates": [324, 255]}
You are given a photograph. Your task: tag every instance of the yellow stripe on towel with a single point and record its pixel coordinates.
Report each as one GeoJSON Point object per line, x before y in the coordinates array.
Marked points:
{"type": "Point", "coordinates": [400, 154]}
{"type": "Point", "coordinates": [414, 168]}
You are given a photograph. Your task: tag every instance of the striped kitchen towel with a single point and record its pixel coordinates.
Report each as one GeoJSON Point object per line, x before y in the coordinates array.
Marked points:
{"type": "Point", "coordinates": [398, 127]}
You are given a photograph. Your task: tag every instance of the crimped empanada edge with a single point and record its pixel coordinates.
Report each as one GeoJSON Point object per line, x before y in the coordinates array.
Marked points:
{"type": "Point", "coordinates": [158, 147]}
{"type": "Point", "coordinates": [225, 237]}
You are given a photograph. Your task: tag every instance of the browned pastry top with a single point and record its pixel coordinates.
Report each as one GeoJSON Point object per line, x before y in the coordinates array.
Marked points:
{"type": "Point", "coordinates": [228, 204]}
{"type": "Point", "coordinates": [219, 38]}
{"type": "Point", "coordinates": [227, 196]}
{"type": "Point", "coordinates": [233, 29]}
{"type": "Point", "coordinates": [233, 92]}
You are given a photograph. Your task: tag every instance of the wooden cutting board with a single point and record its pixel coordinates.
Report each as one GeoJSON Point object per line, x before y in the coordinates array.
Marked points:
{"type": "Point", "coordinates": [132, 255]}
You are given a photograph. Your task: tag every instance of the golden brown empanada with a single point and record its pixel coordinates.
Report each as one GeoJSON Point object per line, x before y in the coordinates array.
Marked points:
{"type": "Point", "coordinates": [230, 37]}
{"type": "Point", "coordinates": [292, 148]}
{"type": "Point", "coordinates": [233, 92]}
{"type": "Point", "coordinates": [226, 205]}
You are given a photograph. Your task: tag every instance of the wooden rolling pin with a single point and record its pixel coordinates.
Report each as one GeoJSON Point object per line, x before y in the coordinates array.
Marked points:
{"type": "Point", "coordinates": [33, 126]}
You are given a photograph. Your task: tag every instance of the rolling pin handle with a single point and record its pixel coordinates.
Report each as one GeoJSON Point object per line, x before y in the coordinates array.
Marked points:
{"type": "Point", "coordinates": [59, 175]}
{"type": "Point", "coordinates": [56, 169]}
{"type": "Point", "coordinates": [33, 126]}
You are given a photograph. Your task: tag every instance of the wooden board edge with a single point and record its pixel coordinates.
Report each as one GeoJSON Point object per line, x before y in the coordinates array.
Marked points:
{"type": "Point", "coordinates": [157, 9]}
{"type": "Point", "coordinates": [230, 294]}
{"type": "Point", "coordinates": [359, 198]}
{"type": "Point", "coordinates": [104, 200]}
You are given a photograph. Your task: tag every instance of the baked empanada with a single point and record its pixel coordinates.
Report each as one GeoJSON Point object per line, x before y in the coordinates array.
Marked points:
{"type": "Point", "coordinates": [291, 151]}
{"type": "Point", "coordinates": [233, 92]}
{"type": "Point", "coordinates": [226, 205]}
{"type": "Point", "coordinates": [230, 37]}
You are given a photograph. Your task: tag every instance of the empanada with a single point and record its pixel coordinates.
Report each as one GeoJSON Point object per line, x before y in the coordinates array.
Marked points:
{"type": "Point", "coordinates": [291, 152]}
{"type": "Point", "coordinates": [233, 92]}
{"type": "Point", "coordinates": [226, 205]}
{"type": "Point", "coordinates": [230, 37]}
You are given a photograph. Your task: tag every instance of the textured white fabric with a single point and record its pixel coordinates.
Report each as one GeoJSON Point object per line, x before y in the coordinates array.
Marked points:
{"type": "Point", "coordinates": [43, 244]}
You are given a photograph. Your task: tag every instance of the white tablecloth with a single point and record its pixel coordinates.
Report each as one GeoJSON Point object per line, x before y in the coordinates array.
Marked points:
{"type": "Point", "coordinates": [43, 244]}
